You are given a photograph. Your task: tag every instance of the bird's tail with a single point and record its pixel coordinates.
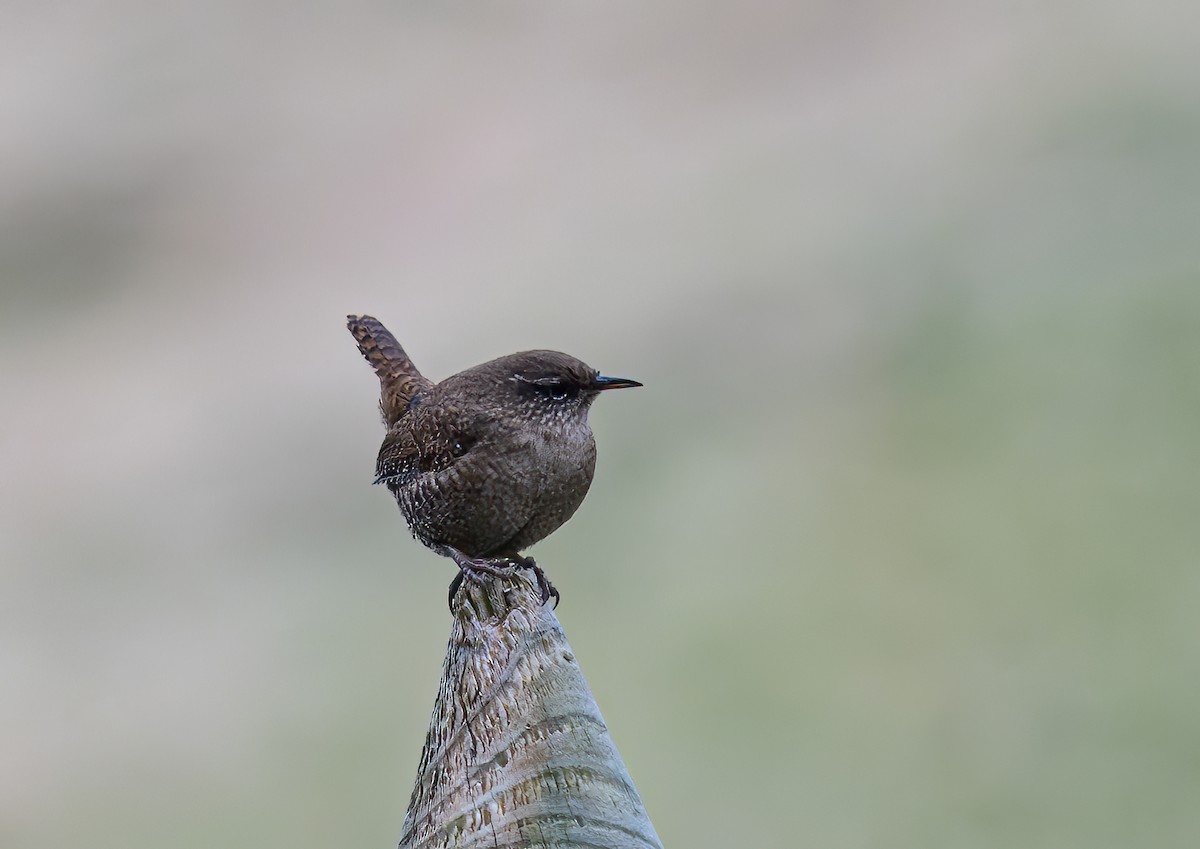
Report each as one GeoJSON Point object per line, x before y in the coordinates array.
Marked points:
{"type": "Point", "coordinates": [399, 379]}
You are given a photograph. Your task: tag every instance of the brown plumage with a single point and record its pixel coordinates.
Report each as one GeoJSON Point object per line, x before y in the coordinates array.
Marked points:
{"type": "Point", "coordinates": [491, 460]}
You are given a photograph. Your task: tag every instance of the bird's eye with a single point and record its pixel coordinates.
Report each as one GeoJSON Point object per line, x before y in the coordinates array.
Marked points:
{"type": "Point", "coordinates": [552, 388]}
{"type": "Point", "coordinates": [557, 390]}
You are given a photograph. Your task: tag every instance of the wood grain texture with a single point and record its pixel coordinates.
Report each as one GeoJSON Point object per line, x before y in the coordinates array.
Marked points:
{"type": "Point", "coordinates": [517, 754]}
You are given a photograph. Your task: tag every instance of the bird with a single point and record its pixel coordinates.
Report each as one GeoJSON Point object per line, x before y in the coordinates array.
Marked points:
{"type": "Point", "coordinates": [489, 461]}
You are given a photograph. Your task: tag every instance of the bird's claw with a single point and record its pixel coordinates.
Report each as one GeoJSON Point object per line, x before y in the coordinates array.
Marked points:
{"type": "Point", "coordinates": [547, 589]}
{"type": "Point", "coordinates": [474, 570]}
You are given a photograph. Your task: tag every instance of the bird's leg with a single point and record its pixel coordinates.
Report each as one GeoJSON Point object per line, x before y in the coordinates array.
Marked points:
{"type": "Point", "coordinates": [472, 567]}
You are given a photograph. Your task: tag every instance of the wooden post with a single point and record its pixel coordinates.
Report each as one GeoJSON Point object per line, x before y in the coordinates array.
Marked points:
{"type": "Point", "coordinates": [517, 754]}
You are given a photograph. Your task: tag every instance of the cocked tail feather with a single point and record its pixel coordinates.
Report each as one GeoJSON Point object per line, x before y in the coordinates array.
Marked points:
{"type": "Point", "coordinates": [399, 379]}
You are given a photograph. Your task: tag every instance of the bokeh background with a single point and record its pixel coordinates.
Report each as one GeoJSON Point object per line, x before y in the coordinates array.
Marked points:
{"type": "Point", "coordinates": [898, 546]}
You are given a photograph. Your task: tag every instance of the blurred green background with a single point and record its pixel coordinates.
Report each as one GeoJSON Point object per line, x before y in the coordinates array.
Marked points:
{"type": "Point", "coordinates": [898, 546]}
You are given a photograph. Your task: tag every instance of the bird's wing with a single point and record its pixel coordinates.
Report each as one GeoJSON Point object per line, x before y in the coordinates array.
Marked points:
{"type": "Point", "coordinates": [399, 458]}
{"type": "Point", "coordinates": [399, 379]}
{"type": "Point", "coordinates": [428, 441]}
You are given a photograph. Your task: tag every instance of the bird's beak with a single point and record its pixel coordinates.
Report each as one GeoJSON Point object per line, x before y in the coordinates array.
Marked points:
{"type": "Point", "coordinates": [602, 382]}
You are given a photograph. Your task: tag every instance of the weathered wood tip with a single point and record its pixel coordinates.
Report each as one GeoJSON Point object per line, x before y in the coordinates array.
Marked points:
{"type": "Point", "coordinates": [517, 754]}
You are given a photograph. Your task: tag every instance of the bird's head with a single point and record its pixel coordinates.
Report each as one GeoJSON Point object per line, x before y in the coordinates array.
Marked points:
{"type": "Point", "coordinates": [550, 385]}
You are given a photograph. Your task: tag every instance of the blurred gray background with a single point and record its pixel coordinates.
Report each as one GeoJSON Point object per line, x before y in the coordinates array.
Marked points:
{"type": "Point", "coordinates": [898, 546]}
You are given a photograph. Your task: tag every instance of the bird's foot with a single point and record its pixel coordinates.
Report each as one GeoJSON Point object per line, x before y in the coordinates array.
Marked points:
{"type": "Point", "coordinates": [547, 588]}
{"type": "Point", "coordinates": [474, 570]}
